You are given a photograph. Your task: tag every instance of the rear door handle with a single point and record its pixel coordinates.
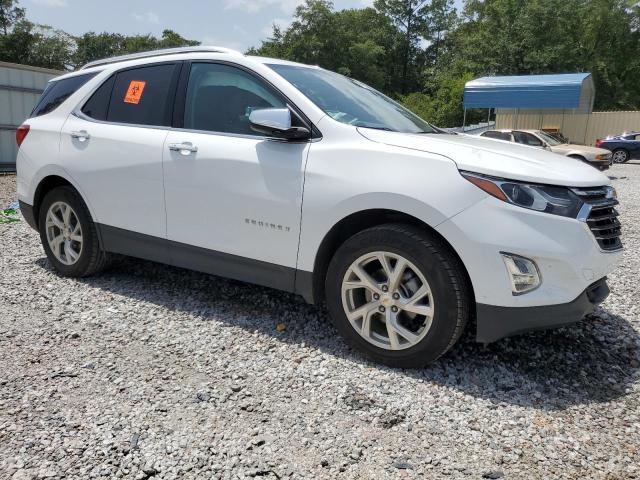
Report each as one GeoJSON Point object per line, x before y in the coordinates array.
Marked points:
{"type": "Point", "coordinates": [185, 148]}
{"type": "Point", "coordinates": [81, 135]}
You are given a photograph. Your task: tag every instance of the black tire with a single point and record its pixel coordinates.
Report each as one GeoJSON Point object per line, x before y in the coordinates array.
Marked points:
{"type": "Point", "coordinates": [452, 294]}
{"type": "Point", "coordinates": [620, 152]}
{"type": "Point", "coordinates": [92, 259]}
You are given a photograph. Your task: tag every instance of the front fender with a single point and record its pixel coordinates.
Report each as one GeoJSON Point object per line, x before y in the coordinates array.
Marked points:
{"type": "Point", "coordinates": [578, 153]}
{"type": "Point", "coordinates": [315, 228]}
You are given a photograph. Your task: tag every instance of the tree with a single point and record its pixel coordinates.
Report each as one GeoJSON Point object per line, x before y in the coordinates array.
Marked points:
{"type": "Point", "coordinates": [359, 43]}
{"type": "Point", "coordinates": [51, 48]}
{"type": "Point", "coordinates": [10, 14]}
{"type": "Point", "coordinates": [171, 39]}
{"type": "Point", "coordinates": [443, 108]}
{"type": "Point", "coordinates": [94, 46]}
{"type": "Point", "coordinates": [418, 51]}
{"type": "Point", "coordinates": [441, 19]}
{"type": "Point", "coordinates": [310, 36]}
{"type": "Point", "coordinates": [39, 45]}
{"type": "Point", "coordinates": [24, 42]}
{"type": "Point", "coordinates": [410, 17]}
{"type": "Point", "coordinates": [611, 40]}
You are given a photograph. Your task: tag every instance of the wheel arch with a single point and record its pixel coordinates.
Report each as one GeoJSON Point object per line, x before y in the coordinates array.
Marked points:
{"type": "Point", "coordinates": [349, 226]}
{"type": "Point", "coordinates": [577, 156]}
{"type": "Point", "coordinates": [45, 185]}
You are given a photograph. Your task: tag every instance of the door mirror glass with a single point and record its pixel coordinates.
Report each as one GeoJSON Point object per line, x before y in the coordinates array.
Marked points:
{"type": "Point", "coordinates": [276, 122]}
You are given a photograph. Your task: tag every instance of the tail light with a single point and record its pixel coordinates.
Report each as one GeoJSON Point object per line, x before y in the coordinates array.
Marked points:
{"type": "Point", "coordinates": [598, 142]}
{"type": "Point", "coordinates": [21, 133]}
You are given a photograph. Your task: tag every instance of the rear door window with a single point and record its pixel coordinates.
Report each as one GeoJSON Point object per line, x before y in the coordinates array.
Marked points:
{"type": "Point", "coordinates": [527, 139]}
{"type": "Point", "coordinates": [139, 96]}
{"type": "Point", "coordinates": [58, 91]}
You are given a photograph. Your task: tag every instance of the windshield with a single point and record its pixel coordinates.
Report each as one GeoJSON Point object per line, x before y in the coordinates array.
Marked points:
{"type": "Point", "coordinates": [553, 141]}
{"type": "Point", "coordinates": [352, 102]}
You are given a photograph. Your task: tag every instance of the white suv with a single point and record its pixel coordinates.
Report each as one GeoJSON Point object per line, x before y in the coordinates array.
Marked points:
{"type": "Point", "coordinates": [297, 178]}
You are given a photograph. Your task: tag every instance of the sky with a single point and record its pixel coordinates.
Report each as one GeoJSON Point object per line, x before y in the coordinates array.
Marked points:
{"type": "Point", "coordinates": [237, 24]}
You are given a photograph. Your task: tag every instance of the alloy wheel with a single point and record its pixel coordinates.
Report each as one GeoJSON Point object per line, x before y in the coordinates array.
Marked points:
{"type": "Point", "coordinates": [620, 156]}
{"type": "Point", "coordinates": [64, 233]}
{"type": "Point", "coordinates": [387, 300]}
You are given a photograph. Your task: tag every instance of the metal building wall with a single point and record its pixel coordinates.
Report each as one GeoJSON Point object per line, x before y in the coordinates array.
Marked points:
{"type": "Point", "coordinates": [20, 88]}
{"type": "Point", "coordinates": [578, 128]}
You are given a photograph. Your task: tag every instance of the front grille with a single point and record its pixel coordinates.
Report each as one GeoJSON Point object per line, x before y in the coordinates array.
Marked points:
{"type": "Point", "coordinates": [602, 217]}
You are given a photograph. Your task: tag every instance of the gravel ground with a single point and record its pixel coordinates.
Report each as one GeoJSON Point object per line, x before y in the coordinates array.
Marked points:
{"type": "Point", "coordinates": [149, 371]}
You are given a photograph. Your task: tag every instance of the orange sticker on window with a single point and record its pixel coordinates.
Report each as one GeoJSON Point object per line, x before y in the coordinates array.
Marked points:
{"type": "Point", "coordinates": [134, 92]}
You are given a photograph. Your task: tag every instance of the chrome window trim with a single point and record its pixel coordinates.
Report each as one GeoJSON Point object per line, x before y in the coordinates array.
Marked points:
{"type": "Point", "coordinates": [77, 112]}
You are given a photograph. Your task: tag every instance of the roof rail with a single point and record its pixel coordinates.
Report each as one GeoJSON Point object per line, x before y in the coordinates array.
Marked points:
{"type": "Point", "coordinates": [159, 53]}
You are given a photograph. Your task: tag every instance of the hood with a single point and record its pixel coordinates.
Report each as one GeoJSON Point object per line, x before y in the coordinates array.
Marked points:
{"type": "Point", "coordinates": [570, 147]}
{"type": "Point", "coordinates": [496, 157]}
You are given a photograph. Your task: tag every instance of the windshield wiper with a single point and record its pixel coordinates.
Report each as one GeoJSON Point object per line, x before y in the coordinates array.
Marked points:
{"type": "Point", "coordinates": [437, 131]}
{"type": "Point", "coordinates": [376, 128]}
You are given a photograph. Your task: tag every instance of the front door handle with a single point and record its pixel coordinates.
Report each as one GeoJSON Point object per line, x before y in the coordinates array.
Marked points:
{"type": "Point", "coordinates": [81, 135]}
{"type": "Point", "coordinates": [185, 148]}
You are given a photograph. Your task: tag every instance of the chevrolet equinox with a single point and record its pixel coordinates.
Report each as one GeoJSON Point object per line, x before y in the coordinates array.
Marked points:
{"type": "Point", "coordinates": [297, 178]}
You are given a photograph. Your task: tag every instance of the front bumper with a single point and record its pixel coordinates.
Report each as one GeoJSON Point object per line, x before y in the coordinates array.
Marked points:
{"type": "Point", "coordinates": [565, 251]}
{"type": "Point", "coordinates": [600, 164]}
{"type": "Point", "coordinates": [495, 323]}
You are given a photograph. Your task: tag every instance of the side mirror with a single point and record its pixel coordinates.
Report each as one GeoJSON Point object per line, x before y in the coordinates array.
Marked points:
{"type": "Point", "coordinates": [276, 123]}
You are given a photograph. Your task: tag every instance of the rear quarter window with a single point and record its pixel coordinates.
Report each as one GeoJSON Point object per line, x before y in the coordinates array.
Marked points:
{"type": "Point", "coordinates": [98, 105]}
{"type": "Point", "coordinates": [58, 91]}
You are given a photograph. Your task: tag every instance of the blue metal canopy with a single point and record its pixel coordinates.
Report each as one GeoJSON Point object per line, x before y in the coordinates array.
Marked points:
{"type": "Point", "coordinates": [562, 91]}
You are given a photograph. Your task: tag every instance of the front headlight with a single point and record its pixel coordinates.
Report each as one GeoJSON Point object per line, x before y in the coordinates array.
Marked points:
{"type": "Point", "coordinates": [542, 198]}
{"type": "Point", "coordinates": [603, 156]}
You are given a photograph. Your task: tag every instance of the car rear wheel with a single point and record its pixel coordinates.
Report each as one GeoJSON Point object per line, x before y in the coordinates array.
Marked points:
{"type": "Point", "coordinates": [68, 234]}
{"type": "Point", "coordinates": [620, 156]}
{"type": "Point", "coordinates": [398, 294]}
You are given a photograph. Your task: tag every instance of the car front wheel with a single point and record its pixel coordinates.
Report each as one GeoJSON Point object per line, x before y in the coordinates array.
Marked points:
{"type": "Point", "coordinates": [398, 294]}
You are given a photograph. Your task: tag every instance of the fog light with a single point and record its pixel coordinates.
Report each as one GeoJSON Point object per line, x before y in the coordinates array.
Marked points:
{"type": "Point", "coordinates": [523, 273]}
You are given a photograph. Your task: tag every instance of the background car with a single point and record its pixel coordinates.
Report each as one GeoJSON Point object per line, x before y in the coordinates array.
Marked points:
{"type": "Point", "coordinates": [596, 157]}
{"type": "Point", "coordinates": [624, 147]}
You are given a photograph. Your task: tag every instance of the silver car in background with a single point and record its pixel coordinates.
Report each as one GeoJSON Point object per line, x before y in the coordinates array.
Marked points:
{"type": "Point", "coordinates": [596, 157]}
